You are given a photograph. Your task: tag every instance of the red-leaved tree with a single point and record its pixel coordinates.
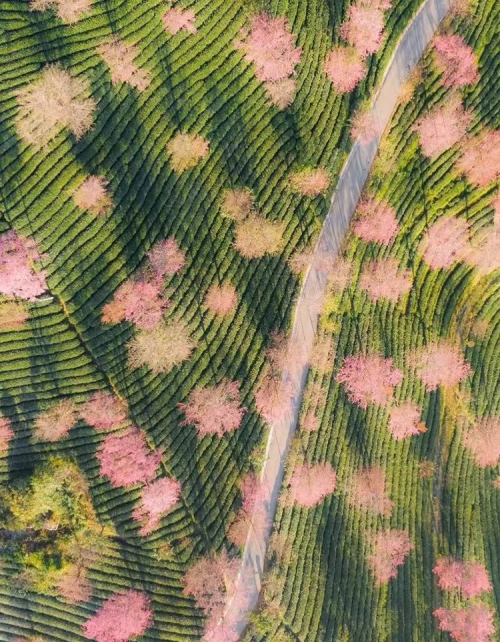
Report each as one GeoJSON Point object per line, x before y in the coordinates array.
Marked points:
{"type": "Point", "coordinates": [472, 623]}
{"type": "Point", "coordinates": [222, 299]}
{"type": "Point", "coordinates": [18, 255]}
{"type": "Point", "coordinates": [126, 459]}
{"type": "Point", "coordinates": [483, 441]}
{"type": "Point", "coordinates": [405, 420]}
{"type": "Point", "coordinates": [120, 58]}
{"type": "Point", "coordinates": [311, 483]}
{"type": "Point", "coordinates": [480, 160]}
{"type": "Point", "coordinates": [93, 197]}
{"type": "Point", "coordinates": [175, 20]}
{"type": "Point", "coordinates": [470, 578]}
{"type": "Point", "coordinates": [363, 29]}
{"type": "Point", "coordinates": [369, 379]}
{"type": "Point", "coordinates": [445, 242]}
{"type": "Point", "coordinates": [440, 363]}
{"type": "Point", "coordinates": [375, 221]}
{"type": "Point", "coordinates": [138, 301]}
{"type": "Point", "coordinates": [442, 127]}
{"type": "Point", "coordinates": [389, 549]}
{"type": "Point", "coordinates": [104, 411]}
{"type": "Point", "coordinates": [345, 67]}
{"type": "Point", "coordinates": [157, 499]}
{"type": "Point", "coordinates": [6, 433]}
{"type": "Point", "coordinates": [366, 490]}
{"type": "Point", "coordinates": [385, 279]}
{"type": "Point", "coordinates": [456, 61]}
{"type": "Point", "coordinates": [56, 422]}
{"type": "Point", "coordinates": [122, 616]}
{"type": "Point", "coordinates": [166, 258]}
{"type": "Point", "coordinates": [214, 410]}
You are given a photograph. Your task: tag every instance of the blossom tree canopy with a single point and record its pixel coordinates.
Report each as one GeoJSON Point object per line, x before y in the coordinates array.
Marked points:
{"type": "Point", "coordinates": [175, 20]}
{"type": "Point", "coordinates": [364, 127]}
{"type": "Point", "coordinates": [122, 616]}
{"type": "Point", "coordinates": [104, 411]}
{"type": "Point", "coordinates": [369, 379]}
{"type": "Point", "coordinates": [237, 203]}
{"type": "Point", "coordinates": [55, 423]}
{"type": "Point", "coordinates": [456, 60]}
{"type": "Point", "coordinates": [445, 242]}
{"type": "Point", "coordinates": [126, 459]}
{"type": "Point", "coordinates": [442, 127]}
{"type": "Point", "coordinates": [137, 301]}
{"type": "Point", "coordinates": [440, 364]}
{"type": "Point", "coordinates": [13, 315]}
{"type": "Point", "coordinates": [257, 236]}
{"type": "Point", "coordinates": [252, 513]}
{"type": "Point", "coordinates": [74, 586]}
{"type": "Point", "coordinates": [214, 410]}
{"type": "Point", "coordinates": [17, 277]}
{"type": "Point", "coordinates": [273, 398]}
{"type": "Point", "coordinates": [6, 433]}
{"type": "Point", "coordinates": [93, 197]}
{"type": "Point", "coordinates": [385, 279]}
{"type": "Point", "coordinates": [345, 68]}
{"type": "Point", "coordinates": [363, 28]}
{"type": "Point", "coordinates": [69, 11]}
{"type": "Point", "coordinates": [480, 160]}
{"type": "Point", "coordinates": [162, 348]}
{"type": "Point", "coordinates": [405, 420]}
{"type": "Point", "coordinates": [483, 441]}
{"type": "Point", "coordinates": [485, 251]}
{"type": "Point", "coordinates": [310, 181]}
{"type": "Point", "coordinates": [166, 258]}
{"type": "Point", "coordinates": [376, 221]}
{"type": "Point", "coordinates": [471, 578]}
{"type": "Point", "coordinates": [472, 623]}
{"type": "Point", "coordinates": [389, 549]}
{"type": "Point", "coordinates": [157, 499]}
{"type": "Point", "coordinates": [311, 483]}
{"type": "Point", "coordinates": [186, 150]}
{"type": "Point", "coordinates": [222, 299]}
{"type": "Point", "coordinates": [366, 490]}
{"type": "Point", "coordinates": [281, 92]}
{"type": "Point", "coordinates": [120, 58]}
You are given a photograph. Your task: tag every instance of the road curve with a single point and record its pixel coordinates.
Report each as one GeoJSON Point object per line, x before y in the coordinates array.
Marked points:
{"type": "Point", "coordinates": [352, 179]}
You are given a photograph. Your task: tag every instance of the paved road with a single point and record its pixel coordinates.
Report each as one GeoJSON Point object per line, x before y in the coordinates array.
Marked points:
{"type": "Point", "coordinates": [344, 201]}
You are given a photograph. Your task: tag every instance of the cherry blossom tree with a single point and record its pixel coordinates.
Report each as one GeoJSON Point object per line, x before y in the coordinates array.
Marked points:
{"type": "Point", "coordinates": [300, 260]}
{"type": "Point", "coordinates": [442, 127]}
{"type": "Point", "coordinates": [222, 299]}
{"type": "Point", "coordinates": [166, 258]}
{"type": "Point", "coordinates": [467, 624]}
{"type": "Point", "coordinates": [18, 256]}
{"type": "Point", "coordinates": [6, 434]}
{"type": "Point", "coordinates": [13, 314]}
{"type": "Point", "coordinates": [345, 68]}
{"type": "Point", "coordinates": [137, 301]}
{"type": "Point", "coordinates": [310, 181]}
{"type": "Point", "coordinates": [446, 242]}
{"type": "Point", "coordinates": [52, 102]}
{"type": "Point", "coordinates": [120, 58]}
{"type": "Point", "coordinates": [405, 420]}
{"type": "Point", "coordinates": [310, 422]}
{"type": "Point", "coordinates": [104, 411]}
{"type": "Point", "coordinates": [483, 441]}
{"type": "Point", "coordinates": [440, 363]}
{"type": "Point", "coordinates": [369, 379]}
{"type": "Point", "coordinates": [157, 499]}
{"type": "Point", "coordinates": [186, 150]}
{"type": "Point", "coordinates": [364, 127]}
{"type": "Point", "coordinates": [273, 398]}
{"type": "Point", "coordinates": [256, 236]}
{"type": "Point", "coordinates": [340, 275]}
{"type": "Point", "coordinates": [389, 549]}
{"type": "Point", "coordinates": [214, 410]}
{"type": "Point", "coordinates": [281, 92]}
{"type": "Point", "coordinates": [363, 29]}
{"type": "Point", "coordinates": [366, 490]}
{"type": "Point", "coordinates": [93, 197]}
{"type": "Point", "coordinates": [162, 348]}
{"type": "Point", "coordinates": [237, 204]}
{"type": "Point", "coordinates": [375, 221]}
{"type": "Point", "coordinates": [125, 458]}
{"type": "Point", "coordinates": [323, 354]}
{"type": "Point", "coordinates": [311, 483]}
{"type": "Point", "coordinates": [74, 586]}
{"type": "Point", "coordinates": [471, 578]}
{"type": "Point", "coordinates": [485, 251]}
{"type": "Point", "coordinates": [69, 11]}
{"type": "Point", "coordinates": [480, 160]}
{"type": "Point", "coordinates": [270, 46]}
{"type": "Point", "coordinates": [175, 20]}
{"type": "Point", "coordinates": [385, 279]}
{"type": "Point", "coordinates": [252, 513]}
{"type": "Point", "coordinates": [456, 61]}
{"type": "Point", "coordinates": [122, 616]}
{"type": "Point", "coordinates": [56, 422]}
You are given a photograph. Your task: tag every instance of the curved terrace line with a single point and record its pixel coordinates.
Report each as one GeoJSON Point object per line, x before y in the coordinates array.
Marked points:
{"type": "Point", "coordinates": [345, 198]}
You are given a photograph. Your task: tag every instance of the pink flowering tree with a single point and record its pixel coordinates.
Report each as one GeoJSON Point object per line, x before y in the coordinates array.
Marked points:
{"type": "Point", "coordinates": [252, 513]}
{"type": "Point", "coordinates": [364, 127]}
{"type": "Point", "coordinates": [482, 440]}
{"type": "Point", "coordinates": [311, 483]}
{"type": "Point", "coordinates": [456, 61]}
{"type": "Point", "coordinates": [310, 422]}
{"type": "Point", "coordinates": [369, 379]}
{"type": "Point", "coordinates": [366, 490]}
{"type": "Point", "coordinates": [310, 181]}
{"type": "Point", "coordinates": [125, 458]}
{"type": "Point", "coordinates": [363, 29]}
{"type": "Point", "coordinates": [6, 434]}
{"type": "Point", "coordinates": [470, 578]}
{"type": "Point", "coordinates": [157, 499]}
{"type": "Point", "coordinates": [345, 68]}
{"type": "Point", "coordinates": [166, 258]}
{"type": "Point", "coordinates": [443, 127]}
{"type": "Point", "coordinates": [440, 364]}
{"type": "Point", "coordinates": [186, 150]}
{"type": "Point", "coordinates": [162, 348]}
{"type": "Point", "coordinates": [214, 410]}
{"type": "Point", "coordinates": [93, 197]}
{"type": "Point", "coordinates": [104, 411]}
{"type": "Point", "coordinates": [74, 586]}
{"type": "Point", "coordinates": [446, 242]}
{"type": "Point", "coordinates": [405, 420]}
{"type": "Point", "coordinates": [222, 299]}
{"type": "Point", "coordinates": [389, 550]}
{"type": "Point", "coordinates": [281, 92]}
{"type": "Point", "coordinates": [273, 398]}
{"type": "Point", "coordinates": [375, 221]}
{"type": "Point", "coordinates": [175, 20]}
{"type": "Point", "coordinates": [122, 616]}
{"type": "Point", "coordinates": [472, 623]}
{"type": "Point", "coordinates": [385, 279]}
{"type": "Point", "coordinates": [138, 301]}
{"type": "Point", "coordinates": [18, 257]}
{"type": "Point", "coordinates": [257, 236]}
{"type": "Point", "coordinates": [485, 252]}
{"type": "Point", "coordinates": [69, 11]}
{"type": "Point", "coordinates": [237, 203]}
{"type": "Point", "coordinates": [480, 160]}
{"type": "Point", "coordinates": [56, 422]}
{"type": "Point", "coordinates": [120, 58]}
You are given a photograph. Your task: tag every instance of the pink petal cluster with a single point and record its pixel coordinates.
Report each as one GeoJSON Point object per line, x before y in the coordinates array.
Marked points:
{"type": "Point", "coordinates": [273, 398]}
{"type": "Point", "coordinates": [389, 549]}
{"type": "Point", "coordinates": [281, 92]}
{"type": "Point", "coordinates": [17, 277]}
{"type": "Point", "coordinates": [376, 221]}
{"type": "Point", "coordinates": [74, 586]}
{"type": "Point", "coordinates": [222, 299]}
{"type": "Point", "coordinates": [214, 410]}
{"type": "Point", "coordinates": [363, 29]}
{"type": "Point", "coordinates": [441, 128]}
{"type": "Point", "coordinates": [6, 433]}
{"type": "Point", "coordinates": [446, 242]}
{"type": "Point", "coordinates": [311, 483]}
{"type": "Point", "coordinates": [369, 379]}
{"type": "Point", "coordinates": [157, 499]}
{"type": "Point", "coordinates": [122, 616]}
{"type": "Point", "coordinates": [345, 67]}
{"type": "Point", "coordinates": [252, 513]}
{"type": "Point", "coordinates": [480, 160]}
{"type": "Point", "coordinates": [472, 623]}
{"type": "Point", "coordinates": [125, 458]}
{"type": "Point", "coordinates": [456, 60]}
{"type": "Point", "coordinates": [104, 411]}
{"type": "Point", "coordinates": [367, 491]}
{"type": "Point", "coordinates": [166, 258]}
{"type": "Point", "coordinates": [310, 181]}
{"type": "Point", "coordinates": [440, 363]}
{"type": "Point", "coordinates": [471, 578]}
{"type": "Point", "coordinates": [92, 196]}
{"type": "Point", "coordinates": [405, 420]}
{"type": "Point", "coordinates": [384, 279]}
{"type": "Point", "coordinates": [137, 301]}
{"type": "Point", "coordinates": [364, 127]}
{"type": "Point", "coordinates": [120, 57]}
{"type": "Point", "coordinates": [174, 20]}
{"type": "Point", "coordinates": [483, 441]}
{"type": "Point", "coordinates": [485, 252]}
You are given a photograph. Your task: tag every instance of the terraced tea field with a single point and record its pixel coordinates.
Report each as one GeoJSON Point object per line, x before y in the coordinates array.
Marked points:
{"type": "Point", "coordinates": [320, 584]}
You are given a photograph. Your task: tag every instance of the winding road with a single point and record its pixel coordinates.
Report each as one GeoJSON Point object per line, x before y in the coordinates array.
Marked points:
{"type": "Point", "coordinates": [407, 54]}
